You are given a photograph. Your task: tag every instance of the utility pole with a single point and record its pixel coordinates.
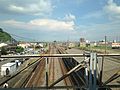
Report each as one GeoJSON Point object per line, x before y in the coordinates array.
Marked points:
{"type": "Point", "coordinates": [47, 72]}
{"type": "Point", "coordinates": [105, 44]}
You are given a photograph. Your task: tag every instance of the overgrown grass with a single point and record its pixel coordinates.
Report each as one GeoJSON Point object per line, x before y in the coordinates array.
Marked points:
{"type": "Point", "coordinates": [100, 49]}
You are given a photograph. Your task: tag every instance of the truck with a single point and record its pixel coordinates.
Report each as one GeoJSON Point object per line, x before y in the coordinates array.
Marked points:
{"type": "Point", "coordinates": [8, 69]}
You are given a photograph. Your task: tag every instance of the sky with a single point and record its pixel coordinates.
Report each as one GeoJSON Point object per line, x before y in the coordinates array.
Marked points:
{"type": "Point", "coordinates": [61, 20]}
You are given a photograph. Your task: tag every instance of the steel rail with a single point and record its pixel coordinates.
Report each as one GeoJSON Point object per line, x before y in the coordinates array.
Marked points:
{"type": "Point", "coordinates": [80, 66]}
{"type": "Point", "coordinates": [6, 80]}
{"type": "Point", "coordinates": [75, 75]}
{"type": "Point", "coordinates": [55, 55]}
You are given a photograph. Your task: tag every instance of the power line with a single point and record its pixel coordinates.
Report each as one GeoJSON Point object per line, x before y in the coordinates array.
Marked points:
{"type": "Point", "coordinates": [21, 37]}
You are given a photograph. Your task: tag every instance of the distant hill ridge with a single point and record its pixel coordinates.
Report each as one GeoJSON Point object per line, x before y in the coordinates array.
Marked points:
{"type": "Point", "coordinates": [4, 36]}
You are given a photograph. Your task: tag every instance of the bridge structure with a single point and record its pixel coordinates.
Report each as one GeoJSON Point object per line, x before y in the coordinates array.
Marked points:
{"type": "Point", "coordinates": [92, 76]}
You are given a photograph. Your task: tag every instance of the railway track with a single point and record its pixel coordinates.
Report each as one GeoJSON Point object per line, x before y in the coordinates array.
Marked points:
{"type": "Point", "coordinates": [51, 68]}
{"type": "Point", "coordinates": [56, 70]}
{"type": "Point", "coordinates": [57, 67]}
{"type": "Point", "coordinates": [77, 77]}
{"type": "Point", "coordinates": [36, 79]}
{"type": "Point", "coordinates": [77, 80]}
{"type": "Point", "coordinates": [15, 80]}
{"type": "Point", "coordinates": [67, 80]}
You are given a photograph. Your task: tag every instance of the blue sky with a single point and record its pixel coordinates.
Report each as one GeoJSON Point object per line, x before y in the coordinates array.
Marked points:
{"type": "Point", "coordinates": [48, 20]}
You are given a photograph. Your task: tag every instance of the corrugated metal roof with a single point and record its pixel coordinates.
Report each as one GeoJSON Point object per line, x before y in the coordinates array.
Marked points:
{"type": "Point", "coordinates": [8, 64]}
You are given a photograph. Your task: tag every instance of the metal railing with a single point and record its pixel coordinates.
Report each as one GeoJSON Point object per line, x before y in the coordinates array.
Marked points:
{"type": "Point", "coordinates": [90, 64]}
{"type": "Point", "coordinates": [56, 55]}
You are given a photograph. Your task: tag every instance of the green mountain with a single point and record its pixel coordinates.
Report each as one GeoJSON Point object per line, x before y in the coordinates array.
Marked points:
{"type": "Point", "coordinates": [4, 36]}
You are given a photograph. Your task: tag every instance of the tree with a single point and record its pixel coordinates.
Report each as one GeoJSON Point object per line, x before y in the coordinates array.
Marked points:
{"type": "Point", "coordinates": [3, 51]}
{"type": "Point", "coordinates": [1, 30]}
{"type": "Point", "coordinates": [19, 49]}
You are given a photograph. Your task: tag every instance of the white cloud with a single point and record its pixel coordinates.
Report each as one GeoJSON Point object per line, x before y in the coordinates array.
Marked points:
{"type": "Point", "coordinates": [112, 9]}
{"type": "Point", "coordinates": [13, 23]}
{"type": "Point", "coordinates": [33, 7]}
{"type": "Point", "coordinates": [42, 24]}
{"type": "Point", "coordinates": [16, 8]}
{"type": "Point", "coordinates": [53, 24]}
{"type": "Point", "coordinates": [98, 31]}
